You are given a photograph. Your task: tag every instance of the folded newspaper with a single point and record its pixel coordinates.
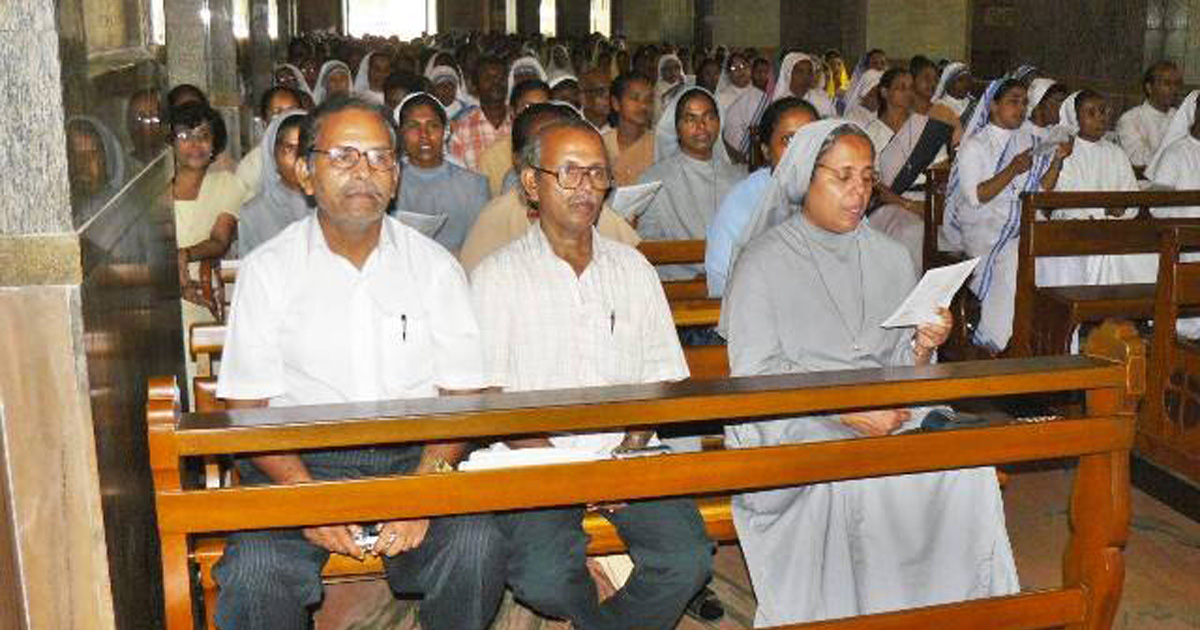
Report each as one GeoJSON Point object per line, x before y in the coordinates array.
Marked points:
{"type": "Point", "coordinates": [631, 201]}
{"type": "Point", "coordinates": [427, 224]}
{"type": "Point", "coordinates": [936, 289]}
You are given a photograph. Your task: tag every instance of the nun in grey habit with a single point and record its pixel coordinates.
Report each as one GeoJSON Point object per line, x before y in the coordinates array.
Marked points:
{"type": "Point", "coordinates": [443, 189]}
{"type": "Point", "coordinates": [692, 186]}
{"type": "Point", "coordinates": [275, 206]}
{"type": "Point", "coordinates": [803, 298]}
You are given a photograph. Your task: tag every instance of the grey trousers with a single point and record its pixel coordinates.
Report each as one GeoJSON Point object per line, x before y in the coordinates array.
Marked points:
{"type": "Point", "coordinates": [272, 579]}
{"type": "Point", "coordinates": [672, 556]}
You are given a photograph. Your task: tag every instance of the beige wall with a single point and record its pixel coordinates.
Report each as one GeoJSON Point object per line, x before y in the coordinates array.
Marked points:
{"type": "Point", "coordinates": [745, 23]}
{"type": "Point", "coordinates": [935, 28]}
{"type": "Point", "coordinates": [653, 21]}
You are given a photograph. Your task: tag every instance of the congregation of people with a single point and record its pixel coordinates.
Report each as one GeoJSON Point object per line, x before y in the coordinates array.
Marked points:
{"type": "Point", "coordinates": [439, 217]}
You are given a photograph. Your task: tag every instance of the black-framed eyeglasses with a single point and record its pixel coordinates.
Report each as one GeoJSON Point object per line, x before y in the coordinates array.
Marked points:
{"type": "Point", "coordinates": [846, 176]}
{"type": "Point", "coordinates": [346, 158]}
{"type": "Point", "coordinates": [570, 176]}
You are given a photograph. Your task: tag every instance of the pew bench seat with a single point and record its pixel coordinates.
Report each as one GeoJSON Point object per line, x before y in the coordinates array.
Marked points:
{"type": "Point", "coordinates": [716, 512]}
{"type": "Point", "coordinates": [1059, 310]}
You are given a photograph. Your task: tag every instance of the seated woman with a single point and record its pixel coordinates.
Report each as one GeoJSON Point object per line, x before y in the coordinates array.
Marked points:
{"type": "Point", "coordinates": [954, 89]}
{"type": "Point", "coordinates": [334, 79]}
{"type": "Point", "coordinates": [862, 99]}
{"type": "Point", "coordinates": [507, 217]}
{"type": "Point", "coordinates": [206, 204]}
{"type": "Point", "coordinates": [1045, 100]}
{"type": "Point", "coordinates": [925, 79]}
{"type": "Point", "coordinates": [995, 165]}
{"type": "Point", "coordinates": [798, 77]}
{"type": "Point", "coordinates": [779, 124]}
{"type": "Point", "coordinates": [695, 172]}
{"type": "Point", "coordinates": [809, 295]}
{"type": "Point", "coordinates": [429, 183]}
{"type": "Point", "coordinates": [279, 201]}
{"type": "Point", "coordinates": [906, 143]}
{"type": "Point", "coordinates": [275, 100]}
{"type": "Point", "coordinates": [629, 143]}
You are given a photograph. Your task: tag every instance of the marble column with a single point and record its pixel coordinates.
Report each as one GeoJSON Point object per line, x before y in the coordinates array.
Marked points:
{"type": "Point", "coordinates": [261, 58]}
{"type": "Point", "coordinates": [187, 44]}
{"type": "Point", "coordinates": [201, 50]}
{"type": "Point", "coordinates": [52, 538]}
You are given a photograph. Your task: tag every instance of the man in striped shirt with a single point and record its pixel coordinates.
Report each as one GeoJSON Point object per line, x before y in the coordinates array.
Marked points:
{"type": "Point", "coordinates": [565, 307]}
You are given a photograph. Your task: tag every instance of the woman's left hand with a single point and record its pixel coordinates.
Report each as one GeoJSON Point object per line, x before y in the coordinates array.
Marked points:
{"type": "Point", "coordinates": [930, 337]}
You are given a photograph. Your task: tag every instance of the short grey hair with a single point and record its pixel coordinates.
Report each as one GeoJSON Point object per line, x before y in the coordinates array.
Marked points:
{"type": "Point", "coordinates": [531, 154]}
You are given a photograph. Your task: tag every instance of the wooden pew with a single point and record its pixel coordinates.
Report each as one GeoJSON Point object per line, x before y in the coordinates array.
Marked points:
{"type": "Point", "coordinates": [964, 306]}
{"type": "Point", "coordinates": [1168, 432]}
{"type": "Point", "coordinates": [675, 253]}
{"type": "Point", "coordinates": [1045, 317]}
{"type": "Point", "coordinates": [1093, 566]}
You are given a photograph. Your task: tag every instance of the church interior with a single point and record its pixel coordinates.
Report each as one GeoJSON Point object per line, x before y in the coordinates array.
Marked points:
{"type": "Point", "coordinates": [1054, 407]}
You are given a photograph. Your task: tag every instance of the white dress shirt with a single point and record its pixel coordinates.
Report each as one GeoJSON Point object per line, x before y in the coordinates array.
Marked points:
{"type": "Point", "coordinates": [1141, 130]}
{"type": "Point", "coordinates": [307, 327]}
{"type": "Point", "coordinates": [544, 327]}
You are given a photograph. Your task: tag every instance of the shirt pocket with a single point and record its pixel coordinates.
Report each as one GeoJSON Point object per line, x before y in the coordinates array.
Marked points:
{"type": "Point", "coordinates": [406, 361]}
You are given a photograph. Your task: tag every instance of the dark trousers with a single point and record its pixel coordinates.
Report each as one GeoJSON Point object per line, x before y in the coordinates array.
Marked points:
{"type": "Point", "coordinates": [272, 579]}
{"type": "Point", "coordinates": [671, 552]}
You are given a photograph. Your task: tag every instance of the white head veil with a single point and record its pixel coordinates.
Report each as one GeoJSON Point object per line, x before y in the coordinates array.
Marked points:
{"type": "Point", "coordinates": [524, 62]}
{"type": "Point", "coordinates": [789, 183]}
{"type": "Point", "coordinates": [949, 74]}
{"type": "Point", "coordinates": [783, 87]}
{"type": "Point", "coordinates": [867, 81]}
{"type": "Point", "coordinates": [1037, 91]}
{"type": "Point", "coordinates": [557, 70]}
{"type": "Point", "coordinates": [322, 88]}
{"type": "Point", "coordinates": [1179, 127]}
{"type": "Point", "coordinates": [662, 87]}
{"type": "Point", "coordinates": [1068, 120]}
{"type": "Point", "coordinates": [362, 79]}
{"type": "Point", "coordinates": [666, 138]}
{"type": "Point", "coordinates": [298, 76]}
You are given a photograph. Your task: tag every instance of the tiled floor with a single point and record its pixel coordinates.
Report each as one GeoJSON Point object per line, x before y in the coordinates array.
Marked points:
{"type": "Point", "coordinates": [1162, 583]}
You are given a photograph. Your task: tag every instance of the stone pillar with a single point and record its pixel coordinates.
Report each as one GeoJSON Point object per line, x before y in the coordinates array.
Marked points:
{"type": "Point", "coordinates": [261, 58]}
{"type": "Point", "coordinates": [54, 571]}
{"type": "Point", "coordinates": [187, 44]}
{"type": "Point", "coordinates": [528, 22]}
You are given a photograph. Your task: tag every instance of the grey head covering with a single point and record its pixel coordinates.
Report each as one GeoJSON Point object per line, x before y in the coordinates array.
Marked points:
{"type": "Point", "coordinates": [789, 182]}
{"type": "Point", "coordinates": [321, 89]}
{"type": "Point", "coordinates": [274, 206]}
{"type": "Point", "coordinates": [114, 154]}
{"type": "Point", "coordinates": [666, 137]}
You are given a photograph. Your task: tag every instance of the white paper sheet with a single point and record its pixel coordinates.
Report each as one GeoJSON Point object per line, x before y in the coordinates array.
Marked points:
{"type": "Point", "coordinates": [936, 289]}
{"type": "Point", "coordinates": [631, 201]}
{"type": "Point", "coordinates": [487, 460]}
{"type": "Point", "coordinates": [427, 224]}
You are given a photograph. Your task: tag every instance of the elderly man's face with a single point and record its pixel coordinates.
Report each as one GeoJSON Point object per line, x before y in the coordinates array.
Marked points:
{"type": "Point", "coordinates": [351, 196]}
{"type": "Point", "coordinates": [567, 210]}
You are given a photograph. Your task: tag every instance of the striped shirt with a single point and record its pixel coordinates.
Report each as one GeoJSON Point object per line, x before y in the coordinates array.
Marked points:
{"type": "Point", "coordinates": [544, 327]}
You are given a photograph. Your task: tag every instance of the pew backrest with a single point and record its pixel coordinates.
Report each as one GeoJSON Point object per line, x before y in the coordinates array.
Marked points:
{"type": "Point", "coordinates": [1169, 423]}
{"type": "Point", "coordinates": [1062, 238]}
{"type": "Point", "coordinates": [937, 179]}
{"type": "Point", "coordinates": [1100, 440]}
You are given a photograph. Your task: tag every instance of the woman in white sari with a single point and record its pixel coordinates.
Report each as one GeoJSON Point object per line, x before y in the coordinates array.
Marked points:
{"type": "Point", "coordinates": [809, 296]}
{"type": "Point", "coordinates": [906, 143]}
{"type": "Point", "coordinates": [734, 81]}
{"type": "Point", "coordinates": [798, 77]}
{"type": "Point", "coordinates": [862, 99]}
{"type": "Point", "coordinates": [954, 88]}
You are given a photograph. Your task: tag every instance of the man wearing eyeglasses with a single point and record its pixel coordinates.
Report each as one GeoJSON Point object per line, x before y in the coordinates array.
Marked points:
{"type": "Point", "coordinates": [565, 307]}
{"type": "Point", "coordinates": [349, 305]}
